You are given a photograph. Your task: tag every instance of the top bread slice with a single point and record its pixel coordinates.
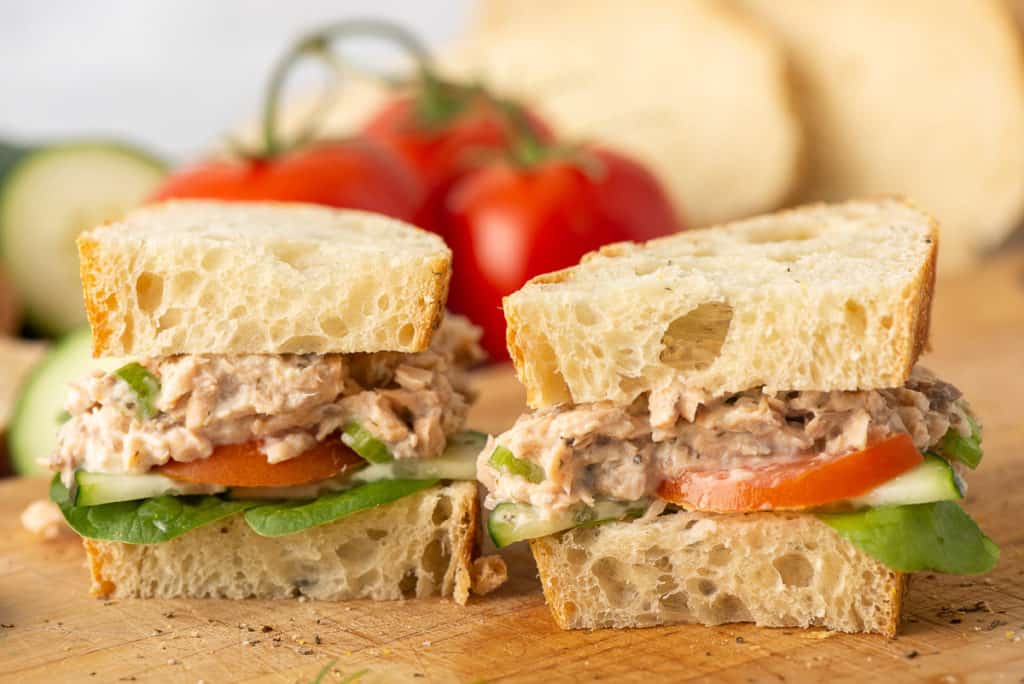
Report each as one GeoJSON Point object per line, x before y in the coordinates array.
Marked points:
{"type": "Point", "coordinates": [208, 277]}
{"type": "Point", "coordinates": [697, 91]}
{"type": "Point", "coordinates": [924, 98]}
{"type": "Point", "coordinates": [822, 297]}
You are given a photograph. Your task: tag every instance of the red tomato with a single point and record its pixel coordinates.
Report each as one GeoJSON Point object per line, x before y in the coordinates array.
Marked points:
{"type": "Point", "coordinates": [355, 174]}
{"type": "Point", "coordinates": [506, 224]}
{"type": "Point", "coordinates": [443, 134]}
{"type": "Point", "coordinates": [793, 485]}
{"type": "Point", "coordinates": [244, 465]}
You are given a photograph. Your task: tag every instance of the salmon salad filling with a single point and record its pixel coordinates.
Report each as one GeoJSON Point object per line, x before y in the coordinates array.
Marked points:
{"type": "Point", "coordinates": [182, 408]}
{"type": "Point", "coordinates": [558, 458]}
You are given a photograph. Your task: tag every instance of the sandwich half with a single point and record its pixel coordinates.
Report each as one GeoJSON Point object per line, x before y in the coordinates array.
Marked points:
{"type": "Point", "coordinates": [730, 425]}
{"type": "Point", "coordinates": [288, 416]}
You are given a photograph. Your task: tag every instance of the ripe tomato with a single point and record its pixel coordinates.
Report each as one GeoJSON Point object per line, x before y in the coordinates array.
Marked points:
{"type": "Point", "coordinates": [445, 130]}
{"type": "Point", "coordinates": [793, 485]}
{"type": "Point", "coordinates": [244, 465]}
{"type": "Point", "coordinates": [354, 174]}
{"type": "Point", "coordinates": [507, 223]}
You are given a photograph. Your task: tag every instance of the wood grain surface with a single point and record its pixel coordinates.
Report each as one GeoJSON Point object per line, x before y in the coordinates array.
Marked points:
{"type": "Point", "coordinates": [957, 629]}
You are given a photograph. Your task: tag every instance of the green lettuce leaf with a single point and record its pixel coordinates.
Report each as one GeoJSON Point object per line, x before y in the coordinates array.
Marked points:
{"type": "Point", "coordinates": [937, 536]}
{"type": "Point", "coordinates": [288, 517]}
{"type": "Point", "coordinates": [145, 521]}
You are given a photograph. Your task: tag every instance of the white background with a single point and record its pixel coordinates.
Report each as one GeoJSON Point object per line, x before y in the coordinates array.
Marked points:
{"type": "Point", "coordinates": [172, 75]}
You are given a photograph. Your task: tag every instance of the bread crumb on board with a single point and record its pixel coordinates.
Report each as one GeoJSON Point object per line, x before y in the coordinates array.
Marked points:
{"type": "Point", "coordinates": [43, 519]}
{"type": "Point", "coordinates": [487, 574]}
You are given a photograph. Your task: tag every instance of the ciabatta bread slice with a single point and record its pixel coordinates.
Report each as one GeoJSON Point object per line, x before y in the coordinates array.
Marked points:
{"type": "Point", "coordinates": [207, 277]}
{"type": "Point", "coordinates": [824, 297]}
{"type": "Point", "coordinates": [773, 569]}
{"type": "Point", "coordinates": [694, 89]}
{"type": "Point", "coordinates": [919, 97]}
{"type": "Point", "coordinates": [420, 545]}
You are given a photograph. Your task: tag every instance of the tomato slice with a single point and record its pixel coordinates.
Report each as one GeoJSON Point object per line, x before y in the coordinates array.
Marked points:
{"type": "Point", "coordinates": [794, 484]}
{"type": "Point", "coordinates": [244, 465]}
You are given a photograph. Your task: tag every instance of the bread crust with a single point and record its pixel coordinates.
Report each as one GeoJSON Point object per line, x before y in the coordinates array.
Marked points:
{"type": "Point", "coordinates": [436, 525]}
{"type": "Point", "coordinates": [555, 367]}
{"type": "Point", "coordinates": [578, 601]}
{"type": "Point", "coordinates": [98, 301]}
{"type": "Point", "coordinates": [410, 278]}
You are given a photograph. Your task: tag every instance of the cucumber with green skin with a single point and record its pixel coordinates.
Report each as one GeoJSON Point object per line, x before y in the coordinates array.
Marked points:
{"type": "Point", "coordinates": [457, 462]}
{"type": "Point", "coordinates": [933, 480]}
{"type": "Point", "coordinates": [511, 522]}
{"type": "Point", "coordinates": [9, 156]}
{"type": "Point", "coordinates": [96, 489]}
{"type": "Point", "coordinates": [32, 432]}
{"type": "Point", "coordinates": [48, 195]}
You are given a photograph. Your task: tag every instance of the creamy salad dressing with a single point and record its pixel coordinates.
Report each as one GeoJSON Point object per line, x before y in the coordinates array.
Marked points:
{"type": "Point", "coordinates": [288, 403]}
{"type": "Point", "coordinates": [597, 451]}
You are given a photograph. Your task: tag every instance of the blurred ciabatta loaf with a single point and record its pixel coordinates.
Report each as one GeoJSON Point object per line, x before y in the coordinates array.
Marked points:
{"type": "Point", "coordinates": [774, 569]}
{"type": "Point", "coordinates": [693, 88]}
{"type": "Point", "coordinates": [823, 297]}
{"type": "Point", "coordinates": [919, 97]}
{"type": "Point", "coordinates": [420, 545]}
{"type": "Point", "coordinates": [206, 277]}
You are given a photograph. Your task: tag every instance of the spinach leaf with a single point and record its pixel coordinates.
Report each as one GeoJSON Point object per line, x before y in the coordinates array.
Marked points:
{"type": "Point", "coordinates": [288, 517]}
{"type": "Point", "coordinates": [144, 521]}
{"type": "Point", "coordinates": [937, 536]}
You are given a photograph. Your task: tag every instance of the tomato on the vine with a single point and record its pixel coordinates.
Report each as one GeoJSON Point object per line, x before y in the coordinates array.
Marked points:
{"type": "Point", "coordinates": [353, 174]}
{"type": "Point", "coordinates": [444, 130]}
{"type": "Point", "coordinates": [507, 222]}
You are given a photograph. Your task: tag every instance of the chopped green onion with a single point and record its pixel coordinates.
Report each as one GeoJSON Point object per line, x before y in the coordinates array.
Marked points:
{"type": "Point", "coordinates": [145, 386]}
{"type": "Point", "coordinates": [967, 450]}
{"type": "Point", "coordinates": [502, 459]}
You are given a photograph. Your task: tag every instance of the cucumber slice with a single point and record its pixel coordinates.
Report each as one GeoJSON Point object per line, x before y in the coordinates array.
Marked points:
{"type": "Point", "coordinates": [458, 462]}
{"type": "Point", "coordinates": [95, 489]}
{"type": "Point", "coordinates": [48, 196]}
{"type": "Point", "coordinates": [9, 156]}
{"type": "Point", "coordinates": [511, 522]}
{"type": "Point", "coordinates": [37, 414]}
{"type": "Point", "coordinates": [932, 480]}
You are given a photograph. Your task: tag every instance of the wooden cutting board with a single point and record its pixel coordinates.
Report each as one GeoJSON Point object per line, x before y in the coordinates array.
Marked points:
{"type": "Point", "coordinates": [957, 629]}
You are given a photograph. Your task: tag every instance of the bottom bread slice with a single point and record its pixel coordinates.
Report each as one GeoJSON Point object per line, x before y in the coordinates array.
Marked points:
{"type": "Point", "coordinates": [420, 545]}
{"type": "Point", "coordinates": [773, 569]}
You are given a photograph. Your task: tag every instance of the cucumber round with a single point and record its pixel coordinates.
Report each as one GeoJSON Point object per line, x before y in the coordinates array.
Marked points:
{"type": "Point", "coordinates": [511, 522]}
{"type": "Point", "coordinates": [47, 197]}
{"type": "Point", "coordinates": [458, 462]}
{"type": "Point", "coordinates": [9, 156]}
{"type": "Point", "coordinates": [32, 433]}
{"type": "Point", "coordinates": [95, 489]}
{"type": "Point", "coordinates": [933, 480]}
